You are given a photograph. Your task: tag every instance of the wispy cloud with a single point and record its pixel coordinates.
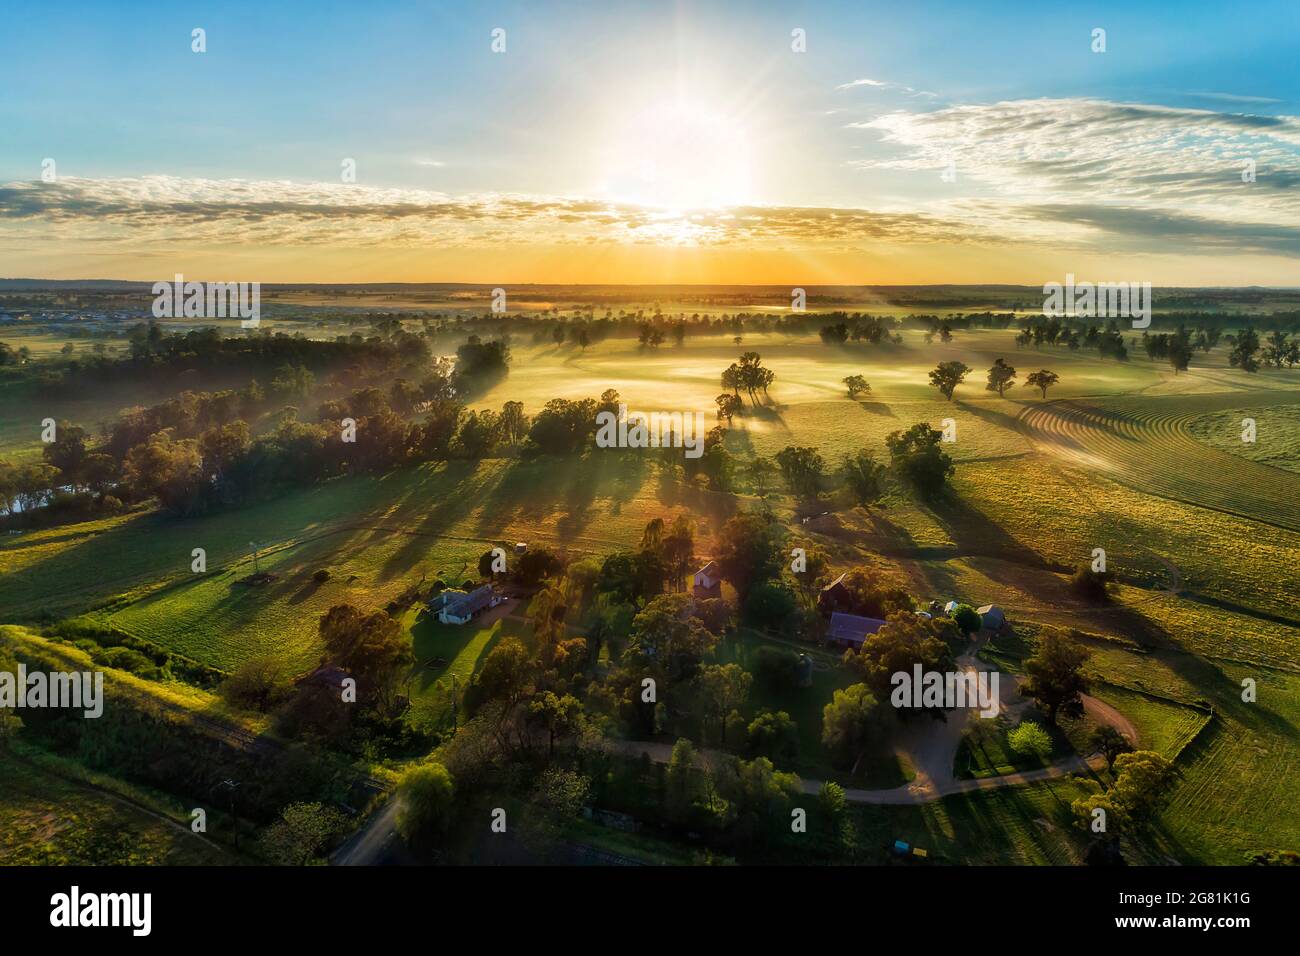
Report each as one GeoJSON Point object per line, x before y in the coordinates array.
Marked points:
{"type": "Point", "coordinates": [1165, 166]}
{"type": "Point", "coordinates": [1235, 98]}
{"type": "Point", "coordinates": [882, 85]}
{"type": "Point", "coordinates": [171, 210]}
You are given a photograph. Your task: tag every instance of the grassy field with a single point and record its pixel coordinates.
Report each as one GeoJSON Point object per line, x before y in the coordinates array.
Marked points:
{"type": "Point", "coordinates": [1277, 433]}
{"type": "Point", "coordinates": [49, 819]}
{"type": "Point", "coordinates": [1127, 457]}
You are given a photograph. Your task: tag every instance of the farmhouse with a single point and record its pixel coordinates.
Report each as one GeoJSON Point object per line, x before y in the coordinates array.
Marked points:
{"type": "Point", "coordinates": [708, 581]}
{"type": "Point", "coordinates": [991, 617]}
{"type": "Point", "coordinates": [835, 596]}
{"type": "Point", "coordinates": [457, 607]}
{"type": "Point", "coordinates": [851, 630]}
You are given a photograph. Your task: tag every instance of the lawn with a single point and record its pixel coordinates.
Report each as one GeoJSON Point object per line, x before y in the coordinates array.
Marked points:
{"type": "Point", "coordinates": [447, 658]}
{"type": "Point", "coordinates": [985, 750]}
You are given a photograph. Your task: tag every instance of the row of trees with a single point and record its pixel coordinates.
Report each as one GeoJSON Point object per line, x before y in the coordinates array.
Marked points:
{"type": "Point", "coordinates": [946, 376]}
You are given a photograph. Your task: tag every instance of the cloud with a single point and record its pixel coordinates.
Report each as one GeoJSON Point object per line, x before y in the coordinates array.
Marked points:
{"type": "Point", "coordinates": [172, 210]}
{"type": "Point", "coordinates": [882, 85]}
{"type": "Point", "coordinates": [1153, 166]}
{"type": "Point", "coordinates": [1235, 98]}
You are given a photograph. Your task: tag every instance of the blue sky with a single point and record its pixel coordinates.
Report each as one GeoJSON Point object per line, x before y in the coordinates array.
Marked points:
{"type": "Point", "coordinates": [413, 93]}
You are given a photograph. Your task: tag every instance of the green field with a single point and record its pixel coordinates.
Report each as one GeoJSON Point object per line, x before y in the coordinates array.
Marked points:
{"type": "Point", "coordinates": [1277, 433]}
{"type": "Point", "coordinates": [49, 819]}
{"type": "Point", "coordinates": [1126, 457]}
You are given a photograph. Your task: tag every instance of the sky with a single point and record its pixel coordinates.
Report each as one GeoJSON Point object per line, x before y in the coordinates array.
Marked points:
{"type": "Point", "coordinates": [652, 142]}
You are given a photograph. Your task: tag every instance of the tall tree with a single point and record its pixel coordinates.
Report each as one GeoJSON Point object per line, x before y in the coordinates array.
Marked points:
{"type": "Point", "coordinates": [1054, 676]}
{"type": "Point", "coordinates": [946, 376]}
{"type": "Point", "coordinates": [1042, 380]}
{"type": "Point", "coordinates": [1001, 377]}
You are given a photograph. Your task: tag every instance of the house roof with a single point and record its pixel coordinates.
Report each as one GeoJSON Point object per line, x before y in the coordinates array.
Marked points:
{"type": "Point", "coordinates": [991, 611]}
{"type": "Point", "coordinates": [838, 582]}
{"type": "Point", "coordinates": [711, 570]}
{"type": "Point", "coordinates": [852, 627]}
{"type": "Point", "coordinates": [443, 598]}
{"type": "Point", "coordinates": [327, 675]}
{"type": "Point", "coordinates": [472, 603]}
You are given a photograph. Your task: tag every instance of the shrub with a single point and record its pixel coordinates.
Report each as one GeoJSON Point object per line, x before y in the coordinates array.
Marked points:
{"type": "Point", "coordinates": [1030, 740]}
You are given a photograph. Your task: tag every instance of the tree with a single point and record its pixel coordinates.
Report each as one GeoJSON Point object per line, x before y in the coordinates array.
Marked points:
{"type": "Point", "coordinates": [857, 385]}
{"type": "Point", "coordinates": [918, 460]}
{"type": "Point", "coordinates": [802, 469]}
{"type": "Point", "coordinates": [759, 796]}
{"type": "Point", "coordinates": [1143, 781]}
{"type": "Point", "coordinates": [292, 381]}
{"type": "Point", "coordinates": [556, 799]}
{"type": "Point", "coordinates": [750, 550]}
{"type": "Point", "coordinates": [560, 716]}
{"type": "Point", "coordinates": [680, 781]}
{"type": "Point", "coordinates": [1029, 739]}
{"type": "Point", "coordinates": [513, 423]}
{"type": "Point", "coordinates": [67, 452]}
{"type": "Point", "coordinates": [1091, 585]}
{"type": "Point", "coordinates": [537, 564]}
{"type": "Point", "coordinates": [774, 735]}
{"type": "Point", "coordinates": [260, 683]}
{"type": "Point", "coordinates": [967, 619]}
{"type": "Point", "coordinates": [1111, 743]}
{"type": "Point", "coordinates": [903, 641]}
{"type": "Point", "coordinates": [864, 476]}
{"type": "Point", "coordinates": [759, 471]}
{"type": "Point", "coordinates": [816, 565]}
{"type": "Point", "coordinates": [729, 406]}
{"type": "Point", "coordinates": [832, 800]}
{"type": "Point", "coordinates": [849, 723]}
{"type": "Point", "coordinates": [426, 802]}
{"type": "Point", "coordinates": [1245, 347]}
{"type": "Point", "coordinates": [946, 376]}
{"type": "Point", "coordinates": [168, 469]}
{"type": "Point", "coordinates": [1055, 676]}
{"type": "Point", "coordinates": [1001, 377]}
{"type": "Point", "coordinates": [371, 647]}
{"type": "Point", "coordinates": [723, 688]}
{"type": "Point", "coordinates": [665, 639]}
{"type": "Point", "coordinates": [302, 831]}
{"type": "Point", "coordinates": [1042, 380]}
{"type": "Point", "coordinates": [506, 672]}
{"type": "Point", "coordinates": [477, 434]}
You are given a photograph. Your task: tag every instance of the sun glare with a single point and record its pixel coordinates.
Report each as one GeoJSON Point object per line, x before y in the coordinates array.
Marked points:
{"type": "Point", "coordinates": [679, 155]}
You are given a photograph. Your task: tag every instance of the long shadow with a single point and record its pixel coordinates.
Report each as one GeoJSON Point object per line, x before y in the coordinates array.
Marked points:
{"type": "Point", "coordinates": [448, 487]}
{"type": "Point", "coordinates": [990, 415]}
{"type": "Point", "coordinates": [877, 408]}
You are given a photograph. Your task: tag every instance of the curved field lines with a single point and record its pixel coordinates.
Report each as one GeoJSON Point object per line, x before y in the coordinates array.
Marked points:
{"type": "Point", "coordinates": [1144, 442]}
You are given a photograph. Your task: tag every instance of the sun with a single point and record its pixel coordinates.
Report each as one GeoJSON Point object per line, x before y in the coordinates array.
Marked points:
{"type": "Point", "coordinates": [678, 155]}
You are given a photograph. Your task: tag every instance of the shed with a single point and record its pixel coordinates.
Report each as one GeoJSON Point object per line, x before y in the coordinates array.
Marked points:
{"type": "Point", "coordinates": [852, 630]}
